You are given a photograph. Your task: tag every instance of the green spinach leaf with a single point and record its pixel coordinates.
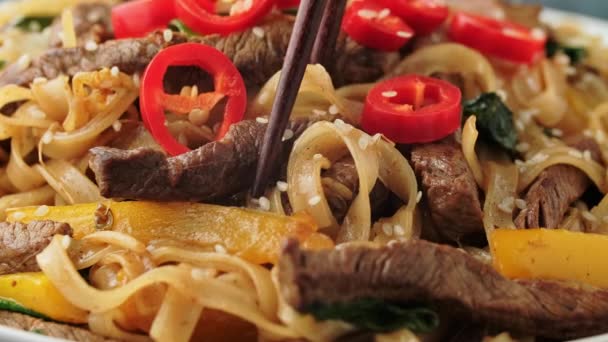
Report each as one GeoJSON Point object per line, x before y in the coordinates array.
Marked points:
{"type": "Point", "coordinates": [34, 23]}
{"type": "Point", "coordinates": [494, 120]}
{"type": "Point", "coordinates": [575, 53]}
{"type": "Point", "coordinates": [379, 316]}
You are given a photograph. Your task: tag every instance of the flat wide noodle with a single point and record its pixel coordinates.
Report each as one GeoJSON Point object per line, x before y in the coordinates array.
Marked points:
{"type": "Point", "coordinates": [451, 58]}
{"type": "Point", "coordinates": [561, 155]}
{"type": "Point", "coordinates": [244, 290]}
{"type": "Point", "coordinates": [323, 144]}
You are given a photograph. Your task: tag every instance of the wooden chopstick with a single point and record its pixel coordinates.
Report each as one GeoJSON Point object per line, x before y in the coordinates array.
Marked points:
{"type": "Point", "coordinates": [298, 54]}
{"type": "Point", "coordinates": [325, 42]}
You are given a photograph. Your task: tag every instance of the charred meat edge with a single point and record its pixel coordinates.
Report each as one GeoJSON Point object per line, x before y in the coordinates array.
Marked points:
{"type": "Point", "coordinates": [21, 242]}
{"type": "Point", "coordinates": [256, 58]}
{"type": "Point", "coordinates": [441, 275]}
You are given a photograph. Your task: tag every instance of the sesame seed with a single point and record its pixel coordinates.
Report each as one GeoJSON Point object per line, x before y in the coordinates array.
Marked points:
{"type": "Point", "coordinates": [418, 196]}
{"type": "Point", "coordinates": [589, 216]}
{"type": "Point", "coordinates": [261, 120]}
{"type": "Point", "coordinates": [519, 162]}
{"type": "Point", "coordinates": [538, 33]}
{"type": "Point", "coordinates": [587, 155]}
{"type": "Point", "coordinates": [343, 126]}
{"type": "Point", "coordinates": [575, 154]}
{"type": "Point", "coordinates": [387, 229]}
{"type": "Point", "coordinates": [538, 158]}
{"type": "Point", "coordinates": [399, 230]}
{"type": "Point", "coordinates": [114, 71]}
{"type": "Point", "coordinates": [220, 249]}
{"type": "Point", "coordinates": [117, 125]}
{"type": "Point", "coordinates": [333, 109]}
{"type": "Point", "coordinates": [263, 98]}
{"type": "Point", "coordinates": [570, 71]}
{"type": "Point", "coordinates": [376, 138]}
{"type": "Point", "coordinates": [404, 34]}
{"type": "Point", "coordinates": [258, 31]}
{"type": "Point", "coordinates": [94, 16]}
{"type": "Point", "coordinates": [556, 132]}
{"type": "Point", "coordinates": [47, 138]}
{"type": "Point", "coordinates": [287, 135]}
{"type": "Point", "coordinates": [24, 62]}
{"type": "Point", "coordinates": [19, 215]}
{"type": "Point", "coordinates": [167, 35]}
{"type": "Point", "coordinates": [264, 203]}
{"type": "Point", "coordinates": [588, 133]}
{"type": "Point", "coordinates": [520, 204]}
{"type": "Point", "coordinates": [90, 46]}
{"type": "Point", "coordinates": [367, 14]}
{"type": "Point", "coordinates": [522, 147]}
{"type": "Point", "coordinates": [364, 141]}
{"type": "Point", "coordinates": [600, 136]}
{"type": "Point", "coordinates": [506, 205]}
{"type": "Point", "coordinates": [282, 186]}
{"type": "Point", "coordinates": [319, 112]}
{"type": "Point", "coordinates": [502, 94]}
{"type": "Point", "coordinates": [317, 156]}
{"type": "Point", "coordinates": [37, 114]}
{"type": "Point", "coordinates": [314, 200]}
{"type": "Point", "coordinates": [66, 241]}
{"type": "Point", "coordinates": [198, 274]}
{"type": "Point", "coordinates": [42, 210]}
{"type": "Point", "coordinates": [519, 125]}
{"type": "Point", "coordinates": [511, 32]}
{"type": "Point", "coordinates": [136, 80]}
{"type": "Point", "coordinates": [385, 12]}
{"type": "Point", "coordinates": [39, 80]}
{"type": "Point", "coordinates": [389, 94]}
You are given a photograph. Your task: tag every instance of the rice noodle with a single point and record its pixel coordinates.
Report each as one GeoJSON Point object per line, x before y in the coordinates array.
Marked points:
{"type": "Point", "coordinates": [40, 196]}
{"type": "Point", "coordinates": [373, 159]}
{"type": "Point", "coordinates": [561, 155]}
{"type": "Point", "coordinates": [502, 185]}
{"type": "Point", "coordinates": [452, 58]}
{"type": "Point", "coordinates": [206, 291]}
{"type": "Point", "coordinates": [469, 139]}
{"type": "Point", "coordinates": [316, 95]}
{"type": "Point", "coordinates": [69, 182]}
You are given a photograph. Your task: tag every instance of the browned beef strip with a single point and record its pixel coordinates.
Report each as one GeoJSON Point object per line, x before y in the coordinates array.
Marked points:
{"type": "Point", "coordinates": [344, 172]}
{"type": "Point", "coordinates": [256, 58]}
{"type": "Point", "coordinates": [449, 188]}
{"type": "Point", "coordinates": [20, 243]}
{"type": "Point", "coordinates": [549, 197]}
{"type": "Point", "coordinates": [422, 271]}
{"type": "Point", "coordinates": [91, 24]}
{"type": "Point", "coordinates": [211, 172]}
{"type": "Point", "coordinates": [36, 325]}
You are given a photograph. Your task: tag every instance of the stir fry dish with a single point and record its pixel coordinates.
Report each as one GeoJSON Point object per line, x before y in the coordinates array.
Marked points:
{"type": "Point", "coordinates": [315, 170]}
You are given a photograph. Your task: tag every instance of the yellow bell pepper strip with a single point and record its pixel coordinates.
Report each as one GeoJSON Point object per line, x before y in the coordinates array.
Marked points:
{"type": "Point", "coordinates": [33, 294]}
{"type": "Point", "coordinates": [253, 235]}
{"type": "Point", "coordinates": [552, 254]}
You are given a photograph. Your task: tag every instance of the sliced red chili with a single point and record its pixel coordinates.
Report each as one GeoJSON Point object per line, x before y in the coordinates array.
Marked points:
{"type": "Point", "coordinates": [138, 18]}
{"type": "Point", "coordinates": [412, 109]}
{"type": "Point", "coordinates": [502, 39]}
{"type": "Point", "coordinates": [372, 25]}
{"type": "Point", "coordinates": [424, 16]}
{"type": "Point", "coordinates": [196, 15]}
{"type": "Point", "coordinates": [154, 101]}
